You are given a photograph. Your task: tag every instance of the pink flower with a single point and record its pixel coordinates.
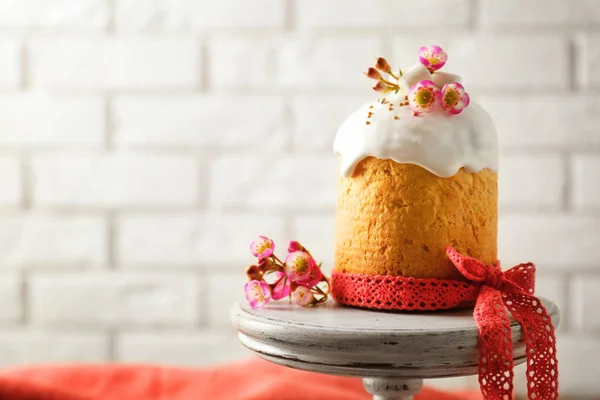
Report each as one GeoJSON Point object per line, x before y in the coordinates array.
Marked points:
{"type": "Point", "coordinates": [258, 293]}
{"type": "Point", "coordinates": [433, 57]}
{"type": "Point", "coordinates": [294, 246]}
{"type": "Point", "coordinates": [303, 296]}
{"type": "Point", "coordinates": [454, 98]}
{"type": "Point", "coordinates": [283, 285]}
{"type": "Point", "coordinates": [313, 278]}
{"type": "Point", "coordinates": [262, 247]}
{"type": "Point", "coordinates": [299, 265]}
{"type": "Point", "coordinates": [424, 97]}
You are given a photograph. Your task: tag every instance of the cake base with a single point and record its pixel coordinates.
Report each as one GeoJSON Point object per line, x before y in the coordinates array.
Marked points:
{"type": "Point", "coordinates": [383, 292]}
{"type": "Point", "coordinates": [397, 219]}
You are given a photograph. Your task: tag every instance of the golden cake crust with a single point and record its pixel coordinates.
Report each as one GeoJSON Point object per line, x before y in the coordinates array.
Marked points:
{"type": "Point", "coordinates": [396, 219]}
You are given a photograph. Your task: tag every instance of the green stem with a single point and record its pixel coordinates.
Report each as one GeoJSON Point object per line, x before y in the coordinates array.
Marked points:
{"type": "Point", "coordinates": [276, 259]}
{"type": "Point", "coordinates": [388, 83]}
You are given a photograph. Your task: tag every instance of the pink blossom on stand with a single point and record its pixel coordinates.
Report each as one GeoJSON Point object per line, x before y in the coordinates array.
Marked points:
{"type": "Point", "coordinates": [299, 265]}
{"type": "Point", "coordinates": [262, 247]}
{"type": "Point", "coordinates": [283, 285]}
{"type": "Point", "coordinates": [294, 246]}
{"type": "Point", "coordinates": [303, 296]}
{"type": "Point", "coordinates": [313, 278]}
{"type": "Point", "coordinates": [258, 293]}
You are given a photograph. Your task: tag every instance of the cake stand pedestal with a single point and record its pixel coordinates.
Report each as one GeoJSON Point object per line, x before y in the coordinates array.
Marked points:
{"type": "Point", "coordinates": [392, 351]}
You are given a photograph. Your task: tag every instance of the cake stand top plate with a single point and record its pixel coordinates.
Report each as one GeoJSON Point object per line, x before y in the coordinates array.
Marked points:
{"type": "Point", "coordinates": [340, 340]}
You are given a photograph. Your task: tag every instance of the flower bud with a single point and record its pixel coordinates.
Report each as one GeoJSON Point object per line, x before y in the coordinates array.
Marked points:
{"type": "Point", "coordinates": [373, 73]}
{"type": "Point", "coordinates": [264, 264]}
{"type": "Point", "coordinates": [383, 65]}
{"type": "Point", "coordinates": [380, 87]}
{"type": "Point", "coordinates": [303, 296]}
{"type": "Point", "coordinates": [294, 246]}
{"type": "Point", "coordinates": [253, 273]}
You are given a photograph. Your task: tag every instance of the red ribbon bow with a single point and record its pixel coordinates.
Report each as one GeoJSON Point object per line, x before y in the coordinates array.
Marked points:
{"type": "Point", "coordinates": [512, 290]}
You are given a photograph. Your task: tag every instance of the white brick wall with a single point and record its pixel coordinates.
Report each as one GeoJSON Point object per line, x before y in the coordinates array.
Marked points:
{"type": "Point", "coordinates": [196, 348]}
{"type": "Point", "coordinates": [568, 122]}
{"type": "Point", "coordinates": [10, 181]}
{"type": "Point", "coordinates": [10, 63]}
{"type": "Point", "coordinates": [45, 241]}
{"type": "Point", "coordinates": [274, 182]}
{"type": "Point", "coordinates": [533, 181]}
{"type": "Point", "coordinates": [113, 180]}
{"type": "Point", "coordinates": [10, 298]}
{"type": "Point", "coordinates": [382, 13]}
{"type": "Point", "coordinates": [115, 63]}
{"type": "Point", "coordinates": [76, 15]}
{"type": "Point", "coordinates": [145, 143]}
{"type": "Point", "coordinates": [185, 15]}
{"type": "Point", "coordinates": [26, 346]}
{"type": "Point", "coordinates": [61, 121]}
{"type": "Point", "coordinates": [200, 121]}
{"type": "Point", "coordinates": [314, 61]}
{"type": "Point", "coordinates": [112, 299]}
{"type": "Point", "coordinates": [586, 181]}
{"type": "Point", "coordinates": [214, 240]}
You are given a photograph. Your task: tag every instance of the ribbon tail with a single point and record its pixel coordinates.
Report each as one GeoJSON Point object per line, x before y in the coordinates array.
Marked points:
{"type": "Point", "coordinates": [540, 342]}
{"type": "Point", "coordinates": [495, 345]}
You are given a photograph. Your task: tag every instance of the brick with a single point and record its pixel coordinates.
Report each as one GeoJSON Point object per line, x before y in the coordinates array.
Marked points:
{"type": "Point", "coordinates": [32, 346]}
{"type": "Point", "coordinates": [239, 121]}
{"type": "Point", "coordinates": [115, 180]}
{"type": "Point", "coordinates": [224, 290]}
{"type": "Point", "coordinates": [171, 300]}
{"type": "Point", "coordinates": [163, 15]}
{"type": "Point", "coordinates": [554, 241]}
{"type": "Point", "coordinates": [381, 14]}
{"type": "Point", "coordinates": [531, 181]}
{"type": "Point", "coordinates": [191, 349]}
{"type": "Point", "coordinates": [526, 14]}
{"type": "Point", "coordinates": [536, 121]}
{"type": "Point", "coordinates": [115, 63]}
{"type": "Point", "coordinates": [294, 181]}
{"type": "Point", "coordinates": [510, 72]}
{"type": "Point", "coordinates": [10, 64]}
{"type": "Point", "coordinates": [585, 301]}
{"type": "Point", "coordinates": [316, 119]}
{"type": "Point", "coordinates": [214, 240]}
{"type": "Point", "coordinates": [80, 15]}
{"type": "Point", "coordinates": [552, 287]}
{"type": "Point", "coordinates": [585, 181]}
{"type": "Point", "coordinates": [59, 120]}
{"type": "Point", "coordinates": [225, 55]}
{"type": "Point", "coordinates": [36, 240]}
{"type": "Point", "coordinates": [10, 298]}
{"type": "Point", "coordinates": [579, 361]}
{"type": "Point", "coordinates": [588, 62]}
{"type": "Point", "coordinates": [316, 233]}
{"type": "Point", "coordinates": [292, 62]}
{"type": "Point", "coordinates": [10, 181]}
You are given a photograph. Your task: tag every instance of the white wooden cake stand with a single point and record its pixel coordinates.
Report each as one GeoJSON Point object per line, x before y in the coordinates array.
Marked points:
{"type": "Point", "coordinates": [392, 351]}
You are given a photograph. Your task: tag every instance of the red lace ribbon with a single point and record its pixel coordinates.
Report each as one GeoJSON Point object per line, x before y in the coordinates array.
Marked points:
{"type": "Point", "coordinates": [494, 292]}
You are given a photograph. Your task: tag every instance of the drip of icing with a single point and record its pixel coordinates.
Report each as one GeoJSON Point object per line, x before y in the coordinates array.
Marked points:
{"type": "Point", "coordinates": [439, 142]}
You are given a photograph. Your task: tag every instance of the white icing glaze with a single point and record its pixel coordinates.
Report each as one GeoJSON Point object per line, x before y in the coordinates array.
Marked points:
{"type": "Point", "coordinates": [439, 142]}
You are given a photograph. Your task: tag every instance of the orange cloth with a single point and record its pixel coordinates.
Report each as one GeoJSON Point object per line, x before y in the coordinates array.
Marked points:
{"type": "Point", "coordinates": [253, 379]}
